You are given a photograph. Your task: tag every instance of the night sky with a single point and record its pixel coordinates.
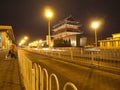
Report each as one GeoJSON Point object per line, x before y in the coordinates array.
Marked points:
{"type": "Point", "coordinates": [27, 16]}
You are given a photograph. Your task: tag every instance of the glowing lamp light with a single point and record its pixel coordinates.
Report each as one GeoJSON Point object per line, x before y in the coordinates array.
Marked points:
{"type": "Point", "coordinates": [49, 13]}
{"type": "Point", "coordinates": [95, 25]}
{"type": "Point", "coordinates": [22, 41]}
{"type": "Point", "coordinates": [25, 37]}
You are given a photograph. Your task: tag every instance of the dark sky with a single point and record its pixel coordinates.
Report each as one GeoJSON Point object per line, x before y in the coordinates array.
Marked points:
{"type": "Point", "coordinates": [27, 16]}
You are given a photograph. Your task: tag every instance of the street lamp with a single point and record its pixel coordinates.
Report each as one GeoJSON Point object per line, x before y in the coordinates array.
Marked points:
{"type": "Point", "coordinates": [95, 25]}
{"type": "Point", "coordinates": [49, 15]}
{"type": "Point", "coordinates": [26, 38]}
{"type": "Point", "coordinates": [23, 41]}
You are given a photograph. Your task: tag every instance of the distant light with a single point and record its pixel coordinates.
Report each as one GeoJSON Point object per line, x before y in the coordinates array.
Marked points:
{"type": "Point", "coordinates": [51, 44]}
{"type": "Point", "coordinates": [45, 48]}
{"type": "Point", "coordinates": [20, 44]}
{"type": "Point", "coordinates": [29, 44]}
{"type": "Point", "coordinates": [22, 41]}
{"type": "Point", "coordinates": [25, 37]}
{"type": "Point", "coordinates": [36, 42]}
{"type": "Point", "coordinates": [40, 41]}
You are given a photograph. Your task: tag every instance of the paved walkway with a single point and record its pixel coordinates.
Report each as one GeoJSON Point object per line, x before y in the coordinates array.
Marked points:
{"type": "Point", "coordinates": [9, 73]}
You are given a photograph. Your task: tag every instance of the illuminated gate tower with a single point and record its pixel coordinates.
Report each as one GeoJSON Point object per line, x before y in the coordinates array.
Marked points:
{"type": "Point", "coordinates": [68, 29]}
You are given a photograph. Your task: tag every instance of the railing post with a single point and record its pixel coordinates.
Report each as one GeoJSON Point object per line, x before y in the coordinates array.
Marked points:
{"type": "Point", "coordinates": [46, 74]}
{"type": "Point", "coordinates": [59, 54]}
{"type": "Point", "coordinates": [40, 77]}
{"type": "Point", "coordinates": [30, 75]}
{"type": "Point", "coordinates": [69, 84]}
{"type": "Point", "coordinates": [71, 54]}
{"type": "Point", "coordinates": [33, 79]}
{"type": "Point", "coordinates": [36, 76]}
{"type": "Point", "coordinates": [57, 82]}
{"type": "Point", "coordinates": [92, 57]}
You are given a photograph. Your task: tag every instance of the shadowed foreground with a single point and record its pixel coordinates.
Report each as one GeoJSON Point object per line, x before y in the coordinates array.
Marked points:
{"type": "Point", "coordinates": [9, 74]}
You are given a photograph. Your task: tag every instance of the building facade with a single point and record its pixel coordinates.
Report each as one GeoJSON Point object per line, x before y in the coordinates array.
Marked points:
{"type": "Point", "coordinates": [112, 42]}
{"type": "Point", "coordinates": [6, 36]}
{"type": "Point", "coordinates": [68, 30]}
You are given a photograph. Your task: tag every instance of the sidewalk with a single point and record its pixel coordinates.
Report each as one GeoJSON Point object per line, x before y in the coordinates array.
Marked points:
{"type": "Point", "coordinates": [9, 73]}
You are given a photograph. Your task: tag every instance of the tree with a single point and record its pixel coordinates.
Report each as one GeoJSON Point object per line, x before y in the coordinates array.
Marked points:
{"type": "Point", "coordinates": [62, 43]}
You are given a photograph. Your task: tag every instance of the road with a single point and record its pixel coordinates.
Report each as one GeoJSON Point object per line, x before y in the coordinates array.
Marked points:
{"type": "Point", "coordinates": [85, 78]}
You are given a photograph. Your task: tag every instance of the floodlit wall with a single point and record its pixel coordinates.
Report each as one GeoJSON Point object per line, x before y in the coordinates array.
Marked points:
{"type": "Point", "coordinates": [113, 42]}
{"type": "Point", "coordinates": [6, 36]}
{"type": "Point", "coordinates": [72, 39]}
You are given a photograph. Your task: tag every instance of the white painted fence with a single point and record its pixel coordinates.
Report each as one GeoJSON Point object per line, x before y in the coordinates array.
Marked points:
{"type": "Point", "coordinates": [109, 58]}
{"type": "Point", "coordinates": [36, 78]}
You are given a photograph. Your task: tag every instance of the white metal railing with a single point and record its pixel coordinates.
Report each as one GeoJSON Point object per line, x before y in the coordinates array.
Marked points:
{"type": "Point", "coordinates": [69, 84]}
{"type": "Point", "coordinates": [45, 79]}
{"type": "Point", "coordinates": [50, 81]}
{"type": "Point", "coordinates": [105, 57]}
{"type": "Point", "coordinates": [26, 71]}
{"type": "Point", "coordinates": [36, 78]}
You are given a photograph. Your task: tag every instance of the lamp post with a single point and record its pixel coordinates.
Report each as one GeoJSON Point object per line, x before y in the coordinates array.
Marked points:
{"type": "Point", "coordinates": [49, 15]}
{"type": "Point", "coordinates": [95, 25]}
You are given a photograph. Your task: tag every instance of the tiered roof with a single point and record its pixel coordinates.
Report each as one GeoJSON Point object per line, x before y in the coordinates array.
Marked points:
{"type": "Point", "coordinates": [67, 21]}
{"type": "Point", "coordinates": [66, 27]}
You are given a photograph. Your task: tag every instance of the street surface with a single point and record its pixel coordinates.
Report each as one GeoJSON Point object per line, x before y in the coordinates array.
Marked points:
{"type": "Point", "coordinates": [85, 78]}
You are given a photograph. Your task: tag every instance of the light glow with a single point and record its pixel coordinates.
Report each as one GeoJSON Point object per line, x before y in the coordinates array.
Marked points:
{"type": "Point", "coordinates": [26, 38]}
{"type": "Point", "coordinates": [48, 13]}
{"type": "Point", "coordinates": [95, 25]}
